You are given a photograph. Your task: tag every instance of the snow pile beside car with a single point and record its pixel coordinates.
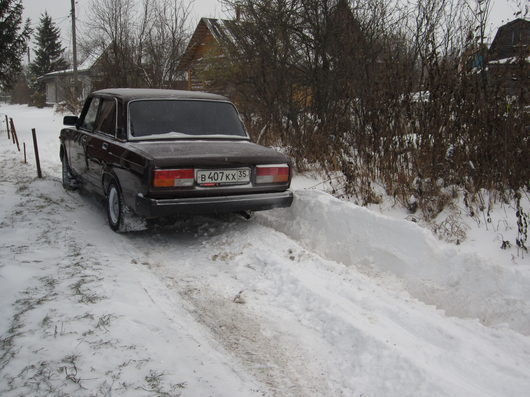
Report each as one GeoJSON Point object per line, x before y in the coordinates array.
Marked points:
{"type": "Point", "coordinates": [462, 284]}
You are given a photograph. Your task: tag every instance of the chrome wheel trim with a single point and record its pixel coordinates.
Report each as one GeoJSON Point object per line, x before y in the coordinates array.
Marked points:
{"type": "Point", "coordinates": [114, 205]}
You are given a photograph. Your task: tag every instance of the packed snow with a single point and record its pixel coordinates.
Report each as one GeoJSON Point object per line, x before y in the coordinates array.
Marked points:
{"type": "Point", "coordinates": [322, 299]}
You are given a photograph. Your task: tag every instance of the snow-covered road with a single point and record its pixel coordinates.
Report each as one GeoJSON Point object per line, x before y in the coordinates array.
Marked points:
{"type": "Point", "coordinates": [323, 299]}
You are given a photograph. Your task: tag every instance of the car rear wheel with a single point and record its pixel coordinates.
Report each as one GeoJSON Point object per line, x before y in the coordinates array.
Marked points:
{"type": "Point", "coordinates": [114, 207]}
{"type": "Point", "coordinates": [120, 217]}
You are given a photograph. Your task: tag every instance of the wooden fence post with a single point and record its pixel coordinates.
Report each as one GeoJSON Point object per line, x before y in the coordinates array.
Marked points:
{"type": "Point", "coordinates": [7, 128]}
{"type": "Point", "coordinates": [14, 133]}
{"type": "Point", "coordinates": [39, 173]}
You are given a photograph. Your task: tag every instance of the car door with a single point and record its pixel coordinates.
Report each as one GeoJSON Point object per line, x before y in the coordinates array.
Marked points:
{"type": "Point", "coordinates": [102, 141]}
{"type": "Point", "coordinates": [81, 140]}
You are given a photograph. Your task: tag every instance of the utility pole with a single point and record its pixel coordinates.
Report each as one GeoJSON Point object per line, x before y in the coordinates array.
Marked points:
{"type": "Point", "coordinates": [74, 48]}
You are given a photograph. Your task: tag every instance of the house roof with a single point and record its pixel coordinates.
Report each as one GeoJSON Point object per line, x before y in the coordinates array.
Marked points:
{"type": "Point", "coordinates": [221, 30]}
{"type": "Point", "coordinates": [229, 32]}
{"type": "Point", "coordinates": [83, 67]}
{"type": "Point", "coordinates": [505, 45]}
{"type": "Point", "coordinates": [515, 22]}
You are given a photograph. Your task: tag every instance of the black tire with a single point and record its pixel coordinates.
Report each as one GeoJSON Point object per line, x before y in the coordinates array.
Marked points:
{"type": "Point", "coordinates": [120, 217]}
{"type": "Point", "coordinates": [115, 207]}
{"type": "Point", "coordinates": [67, 177]}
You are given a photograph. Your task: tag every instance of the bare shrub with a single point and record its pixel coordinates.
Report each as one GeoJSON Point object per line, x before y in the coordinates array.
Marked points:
{"type": "Point", "coordinates": [388, 92]}
{"type": "Point", "coordinates": [450, 229]}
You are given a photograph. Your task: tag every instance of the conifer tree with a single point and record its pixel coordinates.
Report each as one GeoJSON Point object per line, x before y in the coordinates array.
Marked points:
{"type": "Point", "coordinates": [49, 51]}
{"type": "Point", "coordinates": [13, 38]}
{"type": "Point", "coordinates": [48, 55]}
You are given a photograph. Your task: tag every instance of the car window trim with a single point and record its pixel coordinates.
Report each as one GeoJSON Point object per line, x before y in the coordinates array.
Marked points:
{"type": "Point", "coordinates": [115, 135]}
{"type": "Point", "coordinates": [130, 137]}
{"type": "Point", "coordinates": [85, 113]}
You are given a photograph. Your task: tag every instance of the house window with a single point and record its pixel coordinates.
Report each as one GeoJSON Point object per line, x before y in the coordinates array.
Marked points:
{"type": "Point", "coordinates": [516, 36]}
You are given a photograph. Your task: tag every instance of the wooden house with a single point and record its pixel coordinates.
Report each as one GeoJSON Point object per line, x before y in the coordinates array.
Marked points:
{"type": "Point", "coordinates": [205, 44]}
{"type": "Point", "coordinates": [211, 35]}
{"type": "Point", "coordinates": [509, 57]}
{"type": "Point", "coordinates": [511, 40]}
{"type": "Point", "coordinates": [59, 82]}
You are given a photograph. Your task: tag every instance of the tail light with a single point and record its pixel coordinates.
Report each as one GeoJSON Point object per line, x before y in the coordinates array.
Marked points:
{"type": "Point", "coordinates": [170, 178]}
{"type": "Point", "coordinates": [272, 173]}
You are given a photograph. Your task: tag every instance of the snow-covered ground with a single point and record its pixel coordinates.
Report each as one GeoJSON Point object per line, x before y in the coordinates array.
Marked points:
{"type": "Point", "coordinates": [323, 299]}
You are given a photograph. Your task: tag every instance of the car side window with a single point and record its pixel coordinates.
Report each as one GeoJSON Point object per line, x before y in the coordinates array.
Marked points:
{"type": "Point", "coordinates": [106, 122]}
{"type": "Point", "coordinates": [90, 117]}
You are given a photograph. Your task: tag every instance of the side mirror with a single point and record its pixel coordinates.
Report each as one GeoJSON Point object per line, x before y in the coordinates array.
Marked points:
{"type": "Point", "coordinates": [70, 120]}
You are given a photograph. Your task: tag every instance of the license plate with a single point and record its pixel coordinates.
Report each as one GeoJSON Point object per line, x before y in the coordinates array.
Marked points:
{"type": "Point", "coordinates": [237, 176]}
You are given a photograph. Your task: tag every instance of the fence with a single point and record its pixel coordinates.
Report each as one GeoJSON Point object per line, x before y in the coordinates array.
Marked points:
{"type": "Point", "coordinates": [12, 137]}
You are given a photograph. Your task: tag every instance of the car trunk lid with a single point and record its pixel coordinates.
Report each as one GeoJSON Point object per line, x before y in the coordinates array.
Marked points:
{"type": "Point", "coordinates": [211, 153]}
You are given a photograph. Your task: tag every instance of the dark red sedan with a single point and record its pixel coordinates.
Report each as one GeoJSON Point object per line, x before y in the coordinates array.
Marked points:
{"type": "Point", "coordinates": [154, 153]}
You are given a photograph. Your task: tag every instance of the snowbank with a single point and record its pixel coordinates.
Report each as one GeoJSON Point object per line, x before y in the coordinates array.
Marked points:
{"type": "Point", "coordinates": [462, 284]}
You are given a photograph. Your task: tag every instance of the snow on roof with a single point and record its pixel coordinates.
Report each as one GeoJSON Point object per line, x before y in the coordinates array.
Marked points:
{"type": "Point", "coordinates": [89, 61]}
{"type": "Point", "coordinates": [508, 60]}
{"type": "Point", "coordinates": [84, 66]}
{"type": "Point", "coordinates": [222, 31]}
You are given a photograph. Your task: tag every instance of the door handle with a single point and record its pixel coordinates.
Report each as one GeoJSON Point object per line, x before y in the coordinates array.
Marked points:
{"type": "Point", "coordinates": [105, 146]}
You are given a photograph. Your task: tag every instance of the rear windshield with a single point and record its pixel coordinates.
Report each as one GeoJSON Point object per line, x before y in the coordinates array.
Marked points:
{"type": "Point", "coordinates": [162, 119]}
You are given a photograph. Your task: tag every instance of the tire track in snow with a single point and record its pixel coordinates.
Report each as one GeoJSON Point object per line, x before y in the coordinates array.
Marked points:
{"type": "Point", "coordinates": [355, 325]}
{"type": "Point", "coordinates": [79, 324]}
{"type": "Point", "coordinates": [274, 357]}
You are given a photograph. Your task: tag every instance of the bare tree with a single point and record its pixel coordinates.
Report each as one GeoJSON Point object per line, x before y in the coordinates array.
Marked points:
{"type": "Point", "coordinates": [165, 41]}
{"type": "Point", "coordinates": [113, 34]}
{"type": "Point", "coordinates": [392, 92]}
{"type": "Point", "coordinates": [139, 45]}
{"type": "Point", "coordinates": [521, 8]}
{"type": "Point", "coordinates": [261, 70]}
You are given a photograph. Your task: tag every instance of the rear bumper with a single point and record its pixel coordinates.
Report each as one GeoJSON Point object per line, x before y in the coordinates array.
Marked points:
{"type": "Point", "coordinates": [149, 208]}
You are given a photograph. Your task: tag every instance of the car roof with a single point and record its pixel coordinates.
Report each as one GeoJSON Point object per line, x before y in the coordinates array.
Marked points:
{"type": "Point", "coordinates": [129, 94]}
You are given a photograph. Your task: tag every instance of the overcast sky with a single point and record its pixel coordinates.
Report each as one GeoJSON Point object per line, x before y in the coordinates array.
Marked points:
{"type": "Point", "coordinates": [59, 10]}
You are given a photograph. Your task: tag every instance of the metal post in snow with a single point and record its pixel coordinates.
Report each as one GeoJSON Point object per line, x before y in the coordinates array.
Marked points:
{"type": "Point", "coordinates": [25, 158]}
{"type": "Point", "coordinates": [14, 133]}
{"type": "Point", "coordinates": [39, 173]}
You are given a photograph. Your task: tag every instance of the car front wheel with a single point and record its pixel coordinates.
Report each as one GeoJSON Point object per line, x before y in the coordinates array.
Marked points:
{"type": "Point", "coordinates": [68, 178]}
